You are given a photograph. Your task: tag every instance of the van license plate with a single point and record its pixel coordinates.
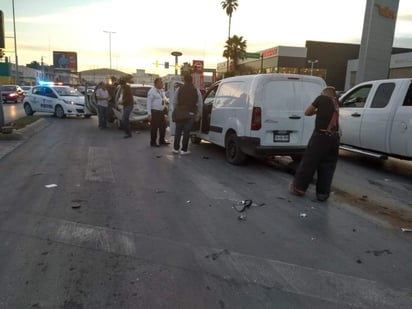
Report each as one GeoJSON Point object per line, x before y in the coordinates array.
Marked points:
{"type": "Point", "coordinates": [281, 137]}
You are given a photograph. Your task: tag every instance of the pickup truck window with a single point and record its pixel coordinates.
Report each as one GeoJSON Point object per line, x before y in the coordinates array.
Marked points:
{"type": "Point", "coordinates": [356, 98]}
{"type": "Point", "coordinates": [408, 97]}
{"type": "Point", "coordinates": [383, 95]}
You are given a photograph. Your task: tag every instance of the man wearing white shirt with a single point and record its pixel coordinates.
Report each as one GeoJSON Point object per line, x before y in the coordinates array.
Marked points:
{"type": "Point", "coordinates": [155, 107]}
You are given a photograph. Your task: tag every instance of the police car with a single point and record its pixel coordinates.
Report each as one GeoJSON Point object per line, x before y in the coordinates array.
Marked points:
{"type": "Point", "coordinates": [57, 99]}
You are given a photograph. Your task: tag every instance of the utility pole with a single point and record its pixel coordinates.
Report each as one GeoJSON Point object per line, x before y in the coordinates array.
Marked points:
{"type": "Point", "coordinates": [15, 46]}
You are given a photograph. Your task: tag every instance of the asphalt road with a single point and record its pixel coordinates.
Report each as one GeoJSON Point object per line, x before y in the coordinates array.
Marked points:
{"type": "Point", "coordinates": [91, 220]}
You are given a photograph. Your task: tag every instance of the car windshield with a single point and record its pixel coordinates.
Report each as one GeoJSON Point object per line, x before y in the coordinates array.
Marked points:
{"type": "Point", "coordinates": [140, 91]}
{"type": "Point", "coordinates": [67, 92]}
{"type": "Point", "coordinates": [7, 88]}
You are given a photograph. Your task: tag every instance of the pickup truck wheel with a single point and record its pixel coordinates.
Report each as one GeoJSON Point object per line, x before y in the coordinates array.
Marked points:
{"type": "Point", "coordinates": [59, 112]}
{"type": "Point", "coordinates": [195, 140]}
{"type": "Point", "coordinates": [28, 110]}
{"type": "Point", "coordinates": [234, 154]}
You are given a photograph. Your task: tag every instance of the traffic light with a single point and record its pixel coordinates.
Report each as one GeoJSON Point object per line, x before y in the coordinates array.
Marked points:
{"type": "Point", "coordinates": [157, 63]}
{"type": "Point", "coordinates": [1, 30]}
{"type": "Point", "coordinates": [166, 65]}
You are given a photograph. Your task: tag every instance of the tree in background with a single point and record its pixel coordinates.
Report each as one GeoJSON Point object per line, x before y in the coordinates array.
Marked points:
{"type": "Point", "coordinates": [234, 49]}
{"type": "Point", "coordinates": [229, 6]}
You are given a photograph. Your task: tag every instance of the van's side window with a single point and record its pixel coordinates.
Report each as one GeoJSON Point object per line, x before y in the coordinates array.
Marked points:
{"type": "Point", "coordinates": [357, 98]}
{"type": "Point", "coordinates": [230, 94]}
{"type": "Point", "coordinates": [408, 97]}
{"type": "Point", "coordinates": [383, 95]}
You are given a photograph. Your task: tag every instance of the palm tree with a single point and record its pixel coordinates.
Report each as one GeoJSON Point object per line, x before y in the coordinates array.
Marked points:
{"type": "Point", "coordinates": [230, 6]}
{"type": "Point", "coordinates": [234, 49]}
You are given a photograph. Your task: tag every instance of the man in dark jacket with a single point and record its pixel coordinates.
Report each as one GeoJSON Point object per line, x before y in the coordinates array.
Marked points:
{"type": "Point", "coordinates": [189, 100]}
{"type": "Point", "coordinates": [125, 98]}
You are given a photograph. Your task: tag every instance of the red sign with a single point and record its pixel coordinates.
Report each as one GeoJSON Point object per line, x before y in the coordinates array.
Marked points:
{"type": "Point", "coordinates": [198, 66]}
{"type": "Point", "coordinates": [270, 52]}
{"type": "Point", "coordinates": [198, 79]}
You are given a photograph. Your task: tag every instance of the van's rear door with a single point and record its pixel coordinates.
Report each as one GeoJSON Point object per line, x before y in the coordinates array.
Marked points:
{"type": "Point", "coordinates": [283, 100]}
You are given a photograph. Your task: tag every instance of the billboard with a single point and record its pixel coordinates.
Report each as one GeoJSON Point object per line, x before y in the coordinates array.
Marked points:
{"type": "Point", "coordinates": [65, 60]}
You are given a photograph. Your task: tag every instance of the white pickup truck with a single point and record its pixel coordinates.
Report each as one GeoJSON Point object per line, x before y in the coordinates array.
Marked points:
{"type": "Point", "coordinates": [376, 118]}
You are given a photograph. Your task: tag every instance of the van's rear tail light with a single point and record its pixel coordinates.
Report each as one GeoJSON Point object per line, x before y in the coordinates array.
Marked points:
{"type": "Point", "coordinates": [256, 119]}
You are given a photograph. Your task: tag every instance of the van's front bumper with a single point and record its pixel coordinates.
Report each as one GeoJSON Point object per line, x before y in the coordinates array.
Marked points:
{"type": "Point", "coordinates": [252, 147]}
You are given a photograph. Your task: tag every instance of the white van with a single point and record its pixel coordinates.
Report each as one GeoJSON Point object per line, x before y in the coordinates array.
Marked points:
{"type": "Point", "coordinates": [259, 115]}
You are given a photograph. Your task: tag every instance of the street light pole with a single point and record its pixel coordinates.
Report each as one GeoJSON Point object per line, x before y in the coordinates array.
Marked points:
{"type": "Point", "coordinates": [312, 63]}
{"type": "Point", "coordinates": [176, 54]}
{"type": "Point", "coordinates": [110, 49]}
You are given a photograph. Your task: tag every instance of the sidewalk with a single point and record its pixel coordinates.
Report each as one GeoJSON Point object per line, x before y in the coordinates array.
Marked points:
{"type": "Point", "coordinates": [9, 142]}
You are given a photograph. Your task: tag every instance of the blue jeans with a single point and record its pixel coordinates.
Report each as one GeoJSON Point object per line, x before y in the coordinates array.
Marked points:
{"type": "Point", "coordinates": [102, 115]}
{"type": "Point", "coordinates": [182, 127]}
{"type": "Point", "coordinates": [127, 110]}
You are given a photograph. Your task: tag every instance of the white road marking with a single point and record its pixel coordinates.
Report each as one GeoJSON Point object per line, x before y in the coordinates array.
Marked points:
{"type": "Point", "coordinates": [225, 264]}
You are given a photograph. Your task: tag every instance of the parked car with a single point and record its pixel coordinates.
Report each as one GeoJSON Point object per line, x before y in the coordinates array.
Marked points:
{"type": "Point", "coordinates": [139, 92]}
{"type": "Point", "coordinates": [376, 118]}
{"type": "Point", "coordinates": [11, 93]}
{"type": "Point", "coordinates": [59, 100]}
{"type": "Point", "coordinates": [26, 89]}
{"type": "Point", "coordinates": [259, 115]}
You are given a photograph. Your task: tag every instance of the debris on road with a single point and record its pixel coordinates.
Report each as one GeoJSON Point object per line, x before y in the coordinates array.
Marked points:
{"type": "Point", "coordinates": [53, 185]}
{"type": "Point", "coordinates": [216, 255]}
{"type": "Point", "coordinates": [403, 229]}
{"type": "Point", "coordinates": [303, 215]}
{"type": "Point", "coordinates": [379, 252]}
{"type": "Point", "coordinates": [241, 206]}
{"type": "Point", "coordinates": [364, 198]}
{"type": "Point", "coordinates": [242, 218]}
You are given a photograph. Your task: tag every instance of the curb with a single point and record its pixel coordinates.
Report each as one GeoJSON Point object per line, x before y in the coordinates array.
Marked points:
{"type": "Point", "coordinates": [25, 132]}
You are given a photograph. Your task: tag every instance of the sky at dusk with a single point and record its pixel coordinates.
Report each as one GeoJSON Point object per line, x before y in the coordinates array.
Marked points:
{"type": "Point", "coordinates": [146, 31]}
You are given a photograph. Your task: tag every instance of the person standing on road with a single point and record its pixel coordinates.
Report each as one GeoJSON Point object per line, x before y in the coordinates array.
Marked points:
{"type": "Point", "coordinates": [124, 97]}
{"type": "Point", "coordinates": [102, 101]}
{"type": "Point", "coordinates": [188, 99]}
{"type": "Point", "coordinates": [156, 106]}
{"type": "Point", "coordinates": [322, 152]}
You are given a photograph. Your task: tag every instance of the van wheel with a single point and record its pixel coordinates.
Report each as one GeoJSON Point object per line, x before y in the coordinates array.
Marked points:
{"type": "Point", "coordinates": [233, 153]}
{"type": "Point", "coordinates": [28, 110]}
{"type": "Point", "coordinates": [195, 140]}
{"type": "Point", "coordinates": [59, 112]}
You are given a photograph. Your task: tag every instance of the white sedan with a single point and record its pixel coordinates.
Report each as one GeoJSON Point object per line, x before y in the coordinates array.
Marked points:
{"type": "Point", "coordinates": [59, 100]}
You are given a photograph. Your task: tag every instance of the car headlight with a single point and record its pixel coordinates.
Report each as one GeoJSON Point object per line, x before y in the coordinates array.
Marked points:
{"type": "Point", "coordinates": [13, 94]}
{"type": "Point", "coordinates": [69, 102]}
